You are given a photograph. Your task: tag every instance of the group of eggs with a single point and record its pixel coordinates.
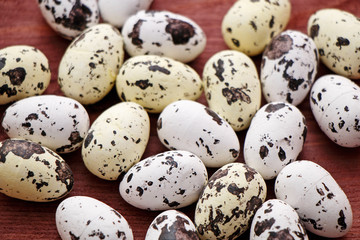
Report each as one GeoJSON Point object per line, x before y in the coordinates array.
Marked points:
{"type": "Point", "coordinates": [157, 79]}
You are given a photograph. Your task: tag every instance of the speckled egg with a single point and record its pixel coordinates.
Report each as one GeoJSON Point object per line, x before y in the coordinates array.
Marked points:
{"type": "Point", "coordinates": [57, 122]}
{"type": "Point", "coordinates": [337, 36]}
{"type": "Point", "coordinates": [90, 64]}
{"type": "Point", "coordinates": [334, 102]}
{"type": "Point", "coordinates": [276, 219]}
{"type": "Point", "coordinates": [24, 72]}
{"type": "Point", "coordinates": [117, 12]}
{"type": "Point", "coordinates": [116, 140]}
{"type": "Point", "coordinates": [168, 180]}
{"type": "Point", "coordinates": [154, 82]}
{"type": "Point", "coordinates": [229, 201]}
{"type": "Point", "coordinates": [315, 195]}
{"type": "Point", "coordinates": [232, 87]}
{"type": "Point", "coordinates": [275, 138]}
{"type": "Point", "coordinates": [189, 125]}
{"type": "Point", "coordinates": [31, 172]}
{"type": "Point", "coordinates": [163, 33]}
{"type": "Point", "coordinates": [69, 18]}
{"type": "Point", "coordinates": [171, 224]}
{"type": "Point", "coordinates": [288, 68]}
{"type": "Point", "coordinates": [82, 217]}
{"type": "Point", "coordinates": [249, 25]}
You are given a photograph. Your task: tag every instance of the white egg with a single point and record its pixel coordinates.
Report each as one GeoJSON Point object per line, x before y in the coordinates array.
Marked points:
{"type": "Point", "coordinates": [82, 217]}
{"type": "Point", "coordinates": [57, 122]}
{"type": "Point", "coordinates": [165, 34]}
{"type": "Point", "coordinates": [117, 12]}
{"type": "Point", "coordinates": [275, 138]}
{"type": "Point", "coordinates": [288, 68]}
{"type": "Point", "coordinates": [171, 224]}
{"type": "Point", "coordinates": [334, 102]}
{"type": "Point", "coordinates": [189, 125]}
{"type": "Point", "coordinates": [276, 219]}
{"type": "Point", "coordinates": [69, 18]}
{"type": "Point", "coordinates": [168, 180]}
{"type": "Point", "coordinates": [318, 199]}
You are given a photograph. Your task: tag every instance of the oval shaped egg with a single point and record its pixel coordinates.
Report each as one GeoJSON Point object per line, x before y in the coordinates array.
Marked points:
{"type": "Point", "coordinates": [189, 125]}
{"type": "Point", "coordinates": [248, 26]}
{"type": "Point", "coordinates": [171, 224]}
{"type": "Point", "coordinates": [154, 82]}
{"type": "Point", "coordinates": [229, 201]}
{"type": "Point", "coordinates": [334, 102]}
{"type": "Point", "coordinates": [82, 217]}
{"type": "Point", "coordinates": [116, 140]}
{"type": "Point", "coordinates": [275, 138]}
{"type": "Point", "coordinates": [24, 72]}
{"type": "Point", "coordinates": [31, 172]}
{"type": "Point", "coordinates": [276, 219]}
{"type": "Point", "coordinates": [69, 18]}
{"type": "Point", "coordinates": [232, 87]}
{"type": "Point", "coordinates": [117, 12]}
{"type": "Point", "coordinates": [336, 34]}
{"type": "Point", "coordinates": [89, 66]}
{"type": "Point", "coordinates": [288, 68]}
{"type": "Point", "coordinates": [57, 122]}
{"type": "Point", "coordinates": [318, 199]}
{"type": "Point", "coordinates": [169, 180]}
{"type": "Point", "coordinates": [163, 33]}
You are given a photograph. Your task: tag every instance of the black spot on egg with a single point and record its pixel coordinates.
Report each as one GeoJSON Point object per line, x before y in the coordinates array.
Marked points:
{"type": "Point", "coordinates": [314, 31]}
{"type": "Point", "coordinates": [279, 46]}
{"type": "Point", "coordinates": [236, 94]}
{"type": "Point", "coordinates": [214, 116]}
{"type": "Point", "coordinates": [64, 174]}
{"type": "Point", "coordinates": [263, 152]}
{"type": "Point", "coordinates": [21, 148]}
{"type": "Point", "coordinates": [342, 42]}
{"type": "Point", "coordinates": [2, 63]}
{"type": "Point", "coordinates": [177, 230]}
{"type": "Point", "coordinates": [262, 226]}
{"type": "Point", "coordinates": [16, 75]}
{"type": "Point", "coordinates": [135, 34]}
{"type": "Point", "coordinates": [180, 31]}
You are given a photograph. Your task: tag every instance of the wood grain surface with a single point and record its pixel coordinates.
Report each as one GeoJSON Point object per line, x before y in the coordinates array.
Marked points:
{"type": "Point", "coordinates": [21, 23]}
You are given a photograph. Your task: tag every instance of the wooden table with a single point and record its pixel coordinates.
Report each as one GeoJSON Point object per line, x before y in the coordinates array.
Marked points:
{"type": "Point", "coordinates": [22, 23]}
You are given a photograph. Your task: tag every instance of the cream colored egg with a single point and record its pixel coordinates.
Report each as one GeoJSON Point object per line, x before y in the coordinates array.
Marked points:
{"type": "Point", "coordinates": [88, 69]}
{"type": "Point", "coordinates": [116, 140]}
{"type": "Point", "coordinates": [24, 72]}
{"type": "Point", "coordinates": [336, 34]}
{"type": "Point", "coordinates": [154, 82]}
{"type": "Point", "coordinates": [248, 26]}
{"type": "Point", "coordinates": [229, 201]}
{"type": "Point", "coordinates": [31, 172]}
{"type": "Point", "coordinates": [232, 87]}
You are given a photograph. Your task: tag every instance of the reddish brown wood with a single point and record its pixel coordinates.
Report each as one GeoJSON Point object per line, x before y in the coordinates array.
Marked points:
{"type": "Point", "coordinates": [21, 23]}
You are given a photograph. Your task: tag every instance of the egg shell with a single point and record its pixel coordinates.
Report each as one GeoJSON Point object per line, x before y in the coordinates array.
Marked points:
{"type": "Point", "coordinates": [288, 68]}
{"type": "Point", "coordinates": [232, 87]}
{"type": "Point", "coordinates": [69, 18]}
{"type": "Point", "coordinates": [318, 199]}
{"type": "Point", "coordinates": [163, 33]}
{"type": "Point", "coordinates": [116, 140]}
{"type": "Point", "coordinates": [82, 217]}
{"type": "Point", "coordinates": [168, 180]}
{"type": "Point", "coordinates": [32, 172]}
{"type": "Point", "coordinates": [89, 66]}
{"type": "Point", "coordinates": [229, 201]}
{"type": "Point", "coordinates": [117, 12]}
{"type": "Point", "coordinates": [275, 138]}
{"type": "Point", "coordinates": [57, 122]}
{"type": "Point", "coordinates": [24, 72]}
{"type": "Point", "coordinates": [248, 26]}
{"type": "Point", "coordinates": [336, 34]}
{"type": "Point", "coordinates": [171, 224]}
{"type": "Point", "coordinates": [154, 82]}
{"type": "Point", "coordinates": [334, 102]}
{"type": "Point", "coordinates": [189, 125]}
{"type": "Point", "coordinates": [276, 219]}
